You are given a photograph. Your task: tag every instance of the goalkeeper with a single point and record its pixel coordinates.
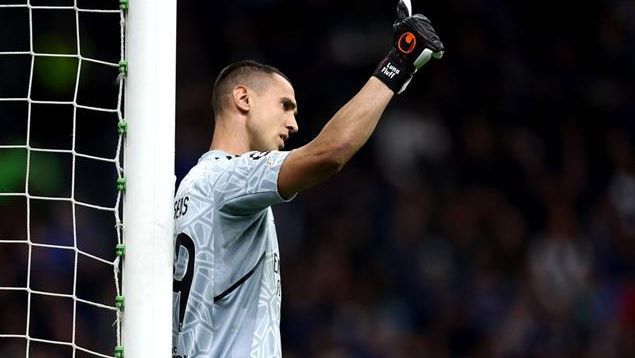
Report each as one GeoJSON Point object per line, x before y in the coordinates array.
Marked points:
{"type": "Point", "coordinates": [227, 291]}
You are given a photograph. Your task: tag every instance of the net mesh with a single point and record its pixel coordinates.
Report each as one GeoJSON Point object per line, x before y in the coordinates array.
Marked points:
{"type": "Point", "coordinates": [61, 181]}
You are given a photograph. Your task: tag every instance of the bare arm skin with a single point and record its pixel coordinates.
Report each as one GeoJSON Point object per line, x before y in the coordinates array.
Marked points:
{"type": "Point", "coordinates": [338, 141]}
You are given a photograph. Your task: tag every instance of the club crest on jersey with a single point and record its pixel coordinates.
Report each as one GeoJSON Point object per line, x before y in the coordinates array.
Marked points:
{"type": "Point", "coordinates": [271, 160]}
{"type": "Point", "coordinates": [407, 42]}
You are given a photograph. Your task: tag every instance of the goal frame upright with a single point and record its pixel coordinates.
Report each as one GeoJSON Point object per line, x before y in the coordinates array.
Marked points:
{"type": "Point", "coordinates": [150, 180]}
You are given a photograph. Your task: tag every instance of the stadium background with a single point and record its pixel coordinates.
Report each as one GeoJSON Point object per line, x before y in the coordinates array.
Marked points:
{"type": "Point", "coordinates": [492, 213]}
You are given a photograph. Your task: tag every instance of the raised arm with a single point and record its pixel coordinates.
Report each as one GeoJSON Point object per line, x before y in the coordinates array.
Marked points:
{"type": "Point", "coordinates": [415, 42]}
{"type": "Point", "coordinates": [340, 138]}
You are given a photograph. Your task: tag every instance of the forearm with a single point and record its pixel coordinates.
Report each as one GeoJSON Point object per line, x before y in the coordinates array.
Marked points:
{"type": "Point", "coordinates": [415, 42]}
{"type": "Point", "coordinates": [353, 124]}
{"type": "Point", "coordinates": [338, 141]}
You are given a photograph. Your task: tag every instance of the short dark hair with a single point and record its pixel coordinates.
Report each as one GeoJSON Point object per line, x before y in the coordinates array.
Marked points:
{"type": "Point", "coordinates": [238, 73]}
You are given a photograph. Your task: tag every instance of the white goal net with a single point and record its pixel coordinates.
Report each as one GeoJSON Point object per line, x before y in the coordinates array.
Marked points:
{"type": "Point", "coordinates": [86, 183]}
{"type": "Point", "coordinates": [62, 73]}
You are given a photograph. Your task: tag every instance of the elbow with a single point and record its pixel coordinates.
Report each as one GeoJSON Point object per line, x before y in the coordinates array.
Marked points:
{"type": "Point", "coordinates": [334, 159]}
{"type": "Point", "coordinates": [328, 157]}
{"type": "Point", "coordinates": [332, 165]}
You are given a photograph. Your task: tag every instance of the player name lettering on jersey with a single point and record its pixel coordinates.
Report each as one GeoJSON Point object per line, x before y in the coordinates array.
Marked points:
{"type": "Point", "coordinates": [180, 207]}
{"type": "Point", "coordinates": [175, 355]}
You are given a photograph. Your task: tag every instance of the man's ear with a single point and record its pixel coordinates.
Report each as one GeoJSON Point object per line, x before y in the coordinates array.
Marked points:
{"type": "Point", "coordinates": [242, 98]}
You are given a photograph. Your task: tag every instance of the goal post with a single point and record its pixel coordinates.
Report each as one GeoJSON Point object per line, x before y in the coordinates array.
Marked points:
{"type": "Point", "coordinates": [75, 159]}
{"type": "Point", "coordinates": [150, 179]}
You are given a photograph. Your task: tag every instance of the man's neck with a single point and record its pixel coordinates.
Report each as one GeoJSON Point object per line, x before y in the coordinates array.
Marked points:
{"type": "Point", "coordinates": [230, 137]}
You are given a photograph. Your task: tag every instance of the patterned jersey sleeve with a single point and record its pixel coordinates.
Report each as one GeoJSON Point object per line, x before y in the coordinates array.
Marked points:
{"type": "Point", "coordinates": [251, 182]}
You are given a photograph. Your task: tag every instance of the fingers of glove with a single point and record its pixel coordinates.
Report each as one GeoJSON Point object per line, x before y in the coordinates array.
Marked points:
{"type": "Point", "coordinates": [422, 27]}
{"type": "Point", "coordinates": [404, 9]}
{"type": "Point", "coordinates": [423, 58]}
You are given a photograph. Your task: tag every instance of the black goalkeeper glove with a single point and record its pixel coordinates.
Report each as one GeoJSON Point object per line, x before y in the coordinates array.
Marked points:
{"type": "Point", "coordinates": [414, 43]}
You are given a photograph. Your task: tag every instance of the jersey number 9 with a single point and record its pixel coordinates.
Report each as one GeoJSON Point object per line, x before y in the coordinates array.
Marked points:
{"type": "Point", "coordinates": [183, 284]}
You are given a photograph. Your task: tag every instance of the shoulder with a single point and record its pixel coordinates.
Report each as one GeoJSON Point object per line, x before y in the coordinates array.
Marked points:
{"type": "Point", "coordinates": [253, 161]}
{"type": "Point", "coordinates": [213, 163]}
{"type": "Point", "coordinates": [209, 166]}
{"type": "Point", "coordinates": [213, 166]}
{"type": "Point", "coordinates": [269, 158]}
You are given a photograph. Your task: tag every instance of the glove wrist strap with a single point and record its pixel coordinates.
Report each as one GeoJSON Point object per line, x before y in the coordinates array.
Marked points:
{"type": "Point", "coordinates": [393, 73]}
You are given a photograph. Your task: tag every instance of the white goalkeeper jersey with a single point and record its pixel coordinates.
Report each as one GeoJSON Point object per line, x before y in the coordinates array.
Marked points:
{"type": "Point", "coordinates": [226, 288]}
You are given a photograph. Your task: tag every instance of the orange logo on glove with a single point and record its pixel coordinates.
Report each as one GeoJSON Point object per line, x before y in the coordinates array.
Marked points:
{"type": "Point", "coordinates": [407, 42]}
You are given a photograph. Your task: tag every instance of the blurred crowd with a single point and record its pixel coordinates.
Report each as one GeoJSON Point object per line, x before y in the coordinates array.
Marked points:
{"type": "Point", "coordinates": [492, 213]}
